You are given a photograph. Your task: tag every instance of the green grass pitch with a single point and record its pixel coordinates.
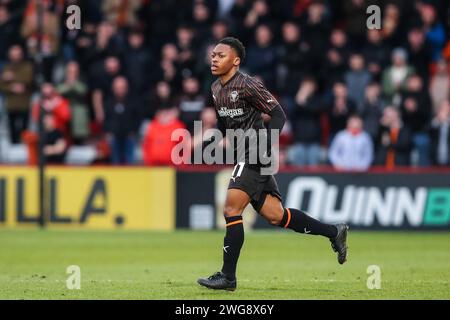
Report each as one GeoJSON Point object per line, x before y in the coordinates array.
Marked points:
{"type": "Point", "coordinates": [273, 265]}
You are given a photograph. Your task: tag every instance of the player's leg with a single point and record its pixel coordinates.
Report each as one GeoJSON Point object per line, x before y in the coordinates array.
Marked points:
{"type": "Point", "coordinates": [235, 203]}
{"type": "Point", "coordinates": [274, 212]}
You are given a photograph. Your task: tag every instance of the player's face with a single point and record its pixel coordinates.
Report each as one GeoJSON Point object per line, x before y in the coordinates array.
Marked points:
{"type": "Point", "coordinates": [223, 58]}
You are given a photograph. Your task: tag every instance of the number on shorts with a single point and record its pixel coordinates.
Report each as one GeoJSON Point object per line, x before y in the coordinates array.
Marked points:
{"type": "Point", "coordinates": [239, 167]}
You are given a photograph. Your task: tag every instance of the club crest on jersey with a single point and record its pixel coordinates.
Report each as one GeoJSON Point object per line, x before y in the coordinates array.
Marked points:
{"type": "Point", "coordinates": [234, 96]}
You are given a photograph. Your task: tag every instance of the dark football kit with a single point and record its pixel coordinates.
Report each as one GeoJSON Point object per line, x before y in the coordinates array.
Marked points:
{"type": "Point", "coordinates": [239, 104]}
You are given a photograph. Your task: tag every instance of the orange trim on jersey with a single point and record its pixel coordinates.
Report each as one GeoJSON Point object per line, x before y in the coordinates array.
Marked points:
{"type": "Point", "coordinates": [289, 218]}
{"type": "Point", "coordinates": [234, 222]}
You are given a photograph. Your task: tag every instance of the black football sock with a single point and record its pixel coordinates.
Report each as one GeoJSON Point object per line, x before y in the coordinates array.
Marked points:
{"type": "Point", "coordinates": [300, 222]}
{"type": "Point", "coordinates": [232, 244]}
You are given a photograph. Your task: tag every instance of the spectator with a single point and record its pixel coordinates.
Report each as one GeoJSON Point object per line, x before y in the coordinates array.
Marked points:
{"type": "Point", "coordinates": [355, 14]}
{"type": "Point", "coordinates": [262, 56]}
{"type": "Point", "coordinates": [306, 126]}
{"type": "Point", "coordinates": [251, 16]}
{"type": "Point", "coordinates": [352, 149]}
{"type": "Point", "coordinates": [82, 44]}
{"type": "Point", "coordinates": [157, 145]}
{"type": "Point", "coordinates": [372, 109]}
{"type": "Point", "coordinates": [160, 98]}
{"type": "Point", "coordinates": [440, 85]}
{"type": "Point", "coordinates": [376, 53]}
{"type": "Point", "coordinates": [52, 102]}
{"type": "Point", "coordinates": [101, 85]}
{"type": "Point", "coordinates": [316, 28]}
{"type": "Point", "coordinates": [219, 30]}
{"type": "Point", "coordinates": [50, 38]}
{"type": "Point", "coordinates": [394, 77]}
{"type": "Point", "coordinates": [106, 44]}
{"type": "Point", "coordinates": [201, 17]}
{"type": "Point", "coordinates": [160, 17]}
{"type": "Point", "coordinates": [335, 63]}
{"type": "Point", "coordinates": [8, 32]}
{"type": "Point", "coordinates": [415, 108]}
{"type": "Point", "coordinates": [138, 63]}
{"type": "Point", "coordinates": [391, 24]}
{"type": "Point", "coordinates": [16, 84]}
{"type": "Point", "coordinates": [419, 53]}
{"type": "Point", "coordinates": [237, 14]}
{"type": "Point", "coordinates": [122, 13]}
{"type": "Point", "coordinates": [75, 91]}
{"type": "Point", "coordinates": [435, 32]}
{"type": "Point", "coordinates": [192, 102]}
{"type": "Point", "coordinates": [169, 68]}
{"type": "Point", "coordinates": [121, 122]}
{"type": "Point", "coordinates": [186, 57]}
{"type": "Point", "coordinates": [357, 79]}
{"type": "Point", "coordinates": [394, 141]}
{"type": "Point", "coordinates": [55, 144]}
{"type": "Point", "coordinates": [440, 131]}
{"type": "Point", "coordinates": [341, 107]}
{"type": "Point", "coordinates": [295, 55]}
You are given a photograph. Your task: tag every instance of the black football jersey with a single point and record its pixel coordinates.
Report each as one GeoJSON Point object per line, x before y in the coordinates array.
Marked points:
{"type": "Point", "coordinates": [239, 104]}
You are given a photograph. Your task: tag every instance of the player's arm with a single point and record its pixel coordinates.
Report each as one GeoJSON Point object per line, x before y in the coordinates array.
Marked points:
{"type": "Point", "coordinates": [277, 118]}
{"type": "Point", "coordinates": [276, 122]}
{"type": "Point", "coordinates": [263, 100]}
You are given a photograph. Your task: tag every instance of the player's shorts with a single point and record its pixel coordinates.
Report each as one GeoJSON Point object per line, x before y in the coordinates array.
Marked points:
{"type": "Point", "coordinates": [257, 186]}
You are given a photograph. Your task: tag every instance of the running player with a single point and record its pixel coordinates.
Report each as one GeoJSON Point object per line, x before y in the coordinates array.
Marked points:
{"type": "Point", "coordinates": [239, 100]}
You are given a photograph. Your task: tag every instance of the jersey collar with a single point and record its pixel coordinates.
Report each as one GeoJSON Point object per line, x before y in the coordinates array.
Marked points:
{"type": "Point", "coordinates": [229, 80]}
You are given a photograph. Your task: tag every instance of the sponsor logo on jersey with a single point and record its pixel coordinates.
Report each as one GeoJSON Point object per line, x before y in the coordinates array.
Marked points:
{"type": "Point", "coordinates": [225, 112]}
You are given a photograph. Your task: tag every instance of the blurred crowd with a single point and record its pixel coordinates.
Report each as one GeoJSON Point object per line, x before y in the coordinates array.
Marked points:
{"type": "Point", "coordinates": [139, 69]}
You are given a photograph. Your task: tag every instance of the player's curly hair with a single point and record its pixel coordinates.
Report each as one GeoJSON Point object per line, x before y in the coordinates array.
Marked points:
{"type": "Point", "coordinates": [236, 44]}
